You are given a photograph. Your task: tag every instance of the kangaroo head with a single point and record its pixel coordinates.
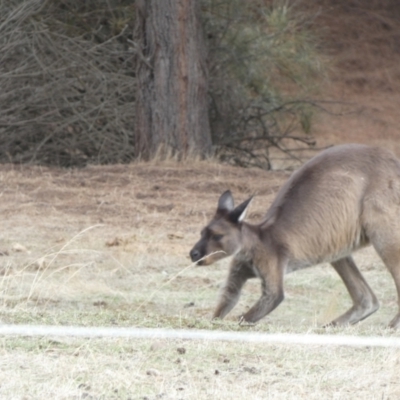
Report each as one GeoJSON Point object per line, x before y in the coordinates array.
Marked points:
{"type": "Point", "coordinates": [222, 236]}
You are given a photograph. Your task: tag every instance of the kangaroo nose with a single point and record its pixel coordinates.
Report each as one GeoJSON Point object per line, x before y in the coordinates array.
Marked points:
{"type": "Point", "coordinates": [195, 255]}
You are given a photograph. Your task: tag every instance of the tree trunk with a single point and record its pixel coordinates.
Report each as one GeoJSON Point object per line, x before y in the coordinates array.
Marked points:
{"type": "Point", "coordinates": [171, 104]}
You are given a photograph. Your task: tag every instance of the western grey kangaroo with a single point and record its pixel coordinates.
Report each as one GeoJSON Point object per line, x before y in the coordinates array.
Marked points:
{"type": "Point", "coordinates": [343, 199]}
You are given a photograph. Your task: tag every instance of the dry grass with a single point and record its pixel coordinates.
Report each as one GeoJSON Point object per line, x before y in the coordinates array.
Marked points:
{"type": "Point", "coordinates": [108, 246]}
{"type": "Point", "coordinates": [195, 370]}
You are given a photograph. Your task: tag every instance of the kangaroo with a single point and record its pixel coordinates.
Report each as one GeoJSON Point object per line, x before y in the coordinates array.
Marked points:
{"type": "Point", "coordinates": [343, 199]}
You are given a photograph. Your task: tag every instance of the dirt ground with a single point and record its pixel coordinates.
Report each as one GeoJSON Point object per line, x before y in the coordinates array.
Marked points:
{"type": "Point", "coordinates": [108, 245]}
{"type": "Point", "coordinates": [361, 40]}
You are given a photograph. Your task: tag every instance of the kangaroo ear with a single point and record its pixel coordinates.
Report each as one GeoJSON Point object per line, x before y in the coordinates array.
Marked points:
{"type": "Point", "coordinates": [225, 202]}
{"type": "Point", "coordinates": [239, 213]}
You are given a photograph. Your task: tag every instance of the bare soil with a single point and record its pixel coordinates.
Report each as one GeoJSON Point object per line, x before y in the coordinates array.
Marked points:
{"type": "Point", "coordinates": [362, 42]}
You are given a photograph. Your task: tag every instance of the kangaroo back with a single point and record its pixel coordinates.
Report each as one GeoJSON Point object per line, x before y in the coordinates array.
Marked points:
{"type": "Point", "coordinates": [326, 208]}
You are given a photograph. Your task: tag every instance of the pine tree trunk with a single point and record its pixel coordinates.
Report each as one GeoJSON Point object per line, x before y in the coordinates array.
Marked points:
{"type": "Point", "coordinates": [172, 109]}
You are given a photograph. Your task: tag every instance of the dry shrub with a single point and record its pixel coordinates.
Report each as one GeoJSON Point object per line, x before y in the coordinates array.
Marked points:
{"type": "Point", "coordinates": [67, 83]}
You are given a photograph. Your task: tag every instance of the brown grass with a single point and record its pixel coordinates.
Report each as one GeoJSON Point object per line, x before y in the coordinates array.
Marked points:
{"type": "Point", "coordinates": [109, 246]}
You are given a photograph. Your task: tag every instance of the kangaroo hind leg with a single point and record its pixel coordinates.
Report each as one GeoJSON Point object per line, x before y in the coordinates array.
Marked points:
{"type": "Point", "coordinates": [389, 251]}
{"type": "Point", "coordinates": [364, 300]}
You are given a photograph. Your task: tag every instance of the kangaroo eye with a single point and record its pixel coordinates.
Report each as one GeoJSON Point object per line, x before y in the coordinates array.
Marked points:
{"type": "Point", "coordinates": [217, 238]}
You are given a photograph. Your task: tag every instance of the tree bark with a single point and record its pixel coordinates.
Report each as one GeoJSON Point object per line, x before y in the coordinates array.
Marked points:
{"type": "Point", "coordinates": [171, 105]}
